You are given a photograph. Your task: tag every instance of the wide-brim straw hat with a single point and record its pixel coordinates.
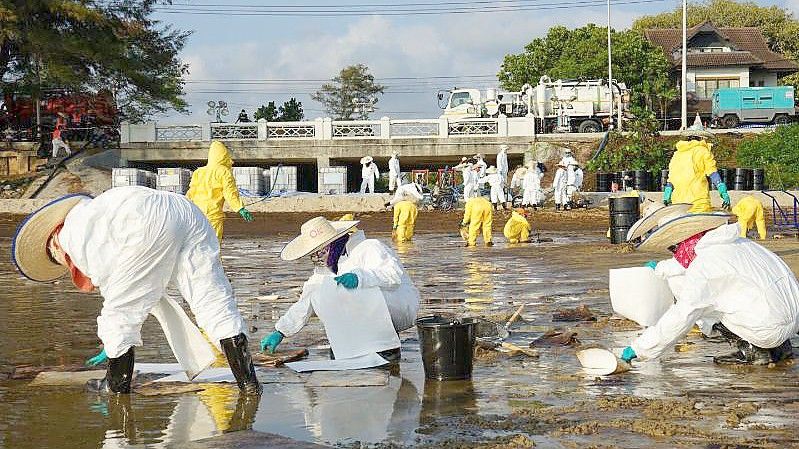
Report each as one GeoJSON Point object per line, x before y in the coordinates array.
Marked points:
{"type": "Point", "coordinates": [653, 213]}
{"type": "Point", "coordinates": [315, 234]}
{"type": "Point", "coordinates": [29, 245]}
{"type": "Point", "coordinates": [673, 230]}
{"type": "Point", "coordinates": [366, 159]}
{"type": "Point", "coordinates": [491, 170]}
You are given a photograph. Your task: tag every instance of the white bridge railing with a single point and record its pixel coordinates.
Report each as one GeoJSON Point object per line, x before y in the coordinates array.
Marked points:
{"type": "Point", "coordinates": [327, 129]}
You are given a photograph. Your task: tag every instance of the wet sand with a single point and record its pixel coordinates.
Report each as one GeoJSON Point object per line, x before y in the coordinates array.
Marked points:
{"type": "Point", "coordinates": [682, 400]}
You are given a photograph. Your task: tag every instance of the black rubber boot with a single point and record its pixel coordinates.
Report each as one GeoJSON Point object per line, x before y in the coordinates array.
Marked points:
{"type": "Point", "coordinates": [118, 376]}
{"type": "Point", "coordinates": [781, 352]}
{"type": "Point", "coordinates": [747, 354]}
{"type": "Point", "coordinates": [240, 361]}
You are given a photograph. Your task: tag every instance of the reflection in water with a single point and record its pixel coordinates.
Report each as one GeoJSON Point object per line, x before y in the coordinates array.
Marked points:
{"type": "Point", "coordinates": [194, 417]}
{"type": "Point", "coordinates": [447, 398]}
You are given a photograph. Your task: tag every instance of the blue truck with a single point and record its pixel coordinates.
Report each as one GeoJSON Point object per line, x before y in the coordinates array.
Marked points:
{"type": "Point", "coordinates": [736, 105]}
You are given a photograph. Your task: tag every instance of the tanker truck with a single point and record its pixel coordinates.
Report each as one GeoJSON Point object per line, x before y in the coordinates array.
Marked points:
{"type": "Point", "coordinates": [557, 106]}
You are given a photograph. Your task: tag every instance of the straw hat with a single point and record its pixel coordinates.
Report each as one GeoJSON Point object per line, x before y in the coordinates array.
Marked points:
{"type": "Point", "coordinates": [653, 212]}
{"type": "Point", "coordinates": [29, 245]}
{"type": "Point", "coordinates": [697, 130]}
{"type": "Point", "coordinates": [672, 230]}
{"type": "Point", "coordinates": [491, 170]}
{"type": "Point", "coordinates": [478, 156]}
{"type": "Point", "coordinates": [314, 234]}
{"type": "Point", "coordinates": [504, 147]}
{"type": "Point", "coordinates": [366, 159]}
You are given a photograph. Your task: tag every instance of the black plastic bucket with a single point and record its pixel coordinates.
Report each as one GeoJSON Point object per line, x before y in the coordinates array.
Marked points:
{"type": "Point", "coordinates": [623, 213]}
{"type": "Point", "coordinates": [664, 178]}
{"type": "Point", "coordinates": [447, 346]}
{"type": "Point", "coordinates": [642, 180]}
{"type": "Point", "coordinates": [603, 181]}
{"type": "Point", "coordinates": [758, 179]}
{"type": "Point", "coordinates": [743, 179]}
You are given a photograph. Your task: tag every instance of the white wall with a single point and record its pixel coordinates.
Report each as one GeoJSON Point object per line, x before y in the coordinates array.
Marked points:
{"type": "Point", "coordinates": [742, 73]}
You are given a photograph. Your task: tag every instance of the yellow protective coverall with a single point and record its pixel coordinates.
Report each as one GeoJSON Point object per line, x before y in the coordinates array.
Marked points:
{"type": "Point", "coordinates": [405, 213]}
{"type": "Point", "coordinates": [214, 184]}
{"type": "Point", "coordinates": [479, 213]}
{"type": "Point", "coordinates": [688, 171]}
{"type": "Point", "coordinates": [517, 229]}
{"type": "Point", "coordinates": [750, 214]}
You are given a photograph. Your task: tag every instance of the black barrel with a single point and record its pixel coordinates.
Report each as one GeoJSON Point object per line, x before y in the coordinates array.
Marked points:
{"type": "Point", "coordinates": [727, 176]}
{"type": "Point", "coordinates": [603, 181]}
{"type": "Point", "coordinates": [664, 178]}
{"type": "Point", "coordinates": [447, 346]}
{"type": "Point", "coordinates": [626, 179]}
{"type": "Point", "coordinates": [642, 180]}
{"type": "Point", "coordinates": [743, 179]}
{"type": "Point", "coordinates": [758, 179]}
{"type": "Point", "coordinates": [623, 213]}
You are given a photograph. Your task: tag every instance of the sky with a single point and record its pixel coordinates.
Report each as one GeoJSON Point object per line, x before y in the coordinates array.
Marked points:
{"type": "Point", "coordinates": [246, 58]}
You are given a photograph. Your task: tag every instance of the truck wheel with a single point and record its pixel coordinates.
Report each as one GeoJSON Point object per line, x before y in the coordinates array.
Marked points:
{"type": "Point", "coordinates": [730, 121]}
{"type": "Point", "coordinates": [589, 126]}
{"type": "Point", "coordinates": [782, 119]}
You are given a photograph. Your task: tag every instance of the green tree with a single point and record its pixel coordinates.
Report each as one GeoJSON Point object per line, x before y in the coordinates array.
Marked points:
{"type": "Point", "coordinates": [582, 52]}
{"type": "Point", "coordinates": [778, 25]}
{"type": "Point", "coordinates": [89, 45]}
{"type": "Point", "coordinates": [268, 112]}
{"type": "Point", "coordinates": [291, 111]}
{"type": "Point", "coordinates": [639, 148]}
{"type": "Point", "coordinates": [353, 84]}
{"type": "Point", "coordinates": [776, 152]}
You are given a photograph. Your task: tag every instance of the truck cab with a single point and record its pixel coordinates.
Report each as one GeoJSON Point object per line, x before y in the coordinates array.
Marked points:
{"type": "Point", "coordinates": [464, 103]}
{"type": "Point", "coordinates": [736, 105]}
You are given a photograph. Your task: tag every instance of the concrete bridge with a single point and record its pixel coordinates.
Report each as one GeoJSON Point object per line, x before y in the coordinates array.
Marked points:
{"type": "Point", "coordinates": [311, 145]}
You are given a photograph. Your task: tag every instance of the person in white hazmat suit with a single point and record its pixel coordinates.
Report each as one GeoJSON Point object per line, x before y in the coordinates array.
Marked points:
{"type": "Point", "coordinates": [497, 183]}
{"type": "Point", "coordinates": [355, 263]}
{"type": "Point", "coordinates": [394, 179]}
{"type": "Point", "coordinates": [469, 172]}
{"type": "Point", "coordinates": [531, 184]}
{"type": "Point", "coordinates": [574, 181]}
{"type": "Point", "coordinates": [502, 168]}
{"type": "Point", "coordinates": [369, 174]}
{"type": "Point", "coordinates": [481, 164]}
{"type": "Point", "coordinates": [559, 186]}
{"type": "Point", "coordinates": [568, 158]}
{"type": "Point", "coordinates": [130, 243]}
{"type": "Point", "coordinates": [407, 192]}
{"type": "Point", "coordinates": [730, 285]}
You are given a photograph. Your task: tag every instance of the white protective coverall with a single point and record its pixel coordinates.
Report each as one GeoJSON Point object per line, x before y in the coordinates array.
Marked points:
{"type": "Point", "coordinates": [369, 174]}
{"type": "Point", "coordinates": [470, 186]}
{"type": "Point", "coordinates": [559, 186]}
{"type": "Point", "coordinates": [734, 281]}
{"type": "Point", "coordinates": [134, 241]}
{"type": "Point", "coordinates": [407, 192]}
{"type": "Point", "coordinates": [531, 184]}
{"type": "Point", "coordinates": [502, 163]}
{"type": "Point", "coordinates": [394, 180]}
{"type": "Point", "coordinates": [481, 164]}
{"type": "Point", "coordinates": [574, 180]}
{"type": "Point", "coordinates": [376, 265]}
{"type": "Point", "coordinates": [496, 182]}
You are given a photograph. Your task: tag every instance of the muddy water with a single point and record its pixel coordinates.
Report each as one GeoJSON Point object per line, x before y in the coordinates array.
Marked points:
{"type": "Point", "coordinates": [682, 399]}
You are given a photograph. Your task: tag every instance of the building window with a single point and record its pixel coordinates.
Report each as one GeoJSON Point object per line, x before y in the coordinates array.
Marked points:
{"type": "Point", "coordinates": [706, 86]}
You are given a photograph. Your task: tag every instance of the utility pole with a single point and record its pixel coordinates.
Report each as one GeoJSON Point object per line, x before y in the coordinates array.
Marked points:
{"type": "Point", "coordinates": [684, 83]}
{"type": "Point", "coordinates": [610, 73]}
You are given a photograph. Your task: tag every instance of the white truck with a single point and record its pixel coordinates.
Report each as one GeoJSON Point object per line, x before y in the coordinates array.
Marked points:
{"type": "Point", "coordinates": [558, 106]}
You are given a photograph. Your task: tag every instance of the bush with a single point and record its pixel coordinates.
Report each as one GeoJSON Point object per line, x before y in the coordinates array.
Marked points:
{"type": "Point", "coordinates": [639, 149]}
{"type": "Point", "coordinates": [777, 152]}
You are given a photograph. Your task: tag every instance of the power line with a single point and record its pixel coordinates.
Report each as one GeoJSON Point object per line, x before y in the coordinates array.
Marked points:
{"type": "Point", "coordinates": [264, 11]}
{"type": "Point", "coordinates": [301, 80]}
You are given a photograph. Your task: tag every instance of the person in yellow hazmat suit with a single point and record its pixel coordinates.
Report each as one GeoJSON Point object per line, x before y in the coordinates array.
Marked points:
{"type": "Point", "coordinates": [214, 184]}
{"type": "Point", "coordinates": [517, 229]}
{"type": "Point", "coordinates": [405, 213]}
{"type": "Point", "coordinates": [479, 214]}
{"type": "Point", "coordinates": [689, 168]}
{"type": "Point", "coordinates": [750, 214]}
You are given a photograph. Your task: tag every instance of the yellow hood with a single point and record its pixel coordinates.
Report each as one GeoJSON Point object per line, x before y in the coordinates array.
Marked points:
{"type": "Point", "coordinates": [219, 155]}
{"type": "Point", "coordinates": [690, 145]}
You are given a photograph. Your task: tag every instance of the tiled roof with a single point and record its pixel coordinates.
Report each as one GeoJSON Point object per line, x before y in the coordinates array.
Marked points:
{"type": "Point", "coordinates": [751, 46]}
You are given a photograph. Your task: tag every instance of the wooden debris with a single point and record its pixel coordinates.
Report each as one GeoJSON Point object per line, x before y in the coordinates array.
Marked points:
{"type": "Point", "coordinates": [66, 378]}
{"type": "Point", "coordinates": [556, 337]}
{"type": "Point", "coordinates": [581, 313]}
{"type": "Point", "coordinates": [280, 358]}
{"type": "Point", "coordinates": [26, 372]}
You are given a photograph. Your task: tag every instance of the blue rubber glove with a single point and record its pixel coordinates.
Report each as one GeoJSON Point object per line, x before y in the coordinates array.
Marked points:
{"type": "Point", "coordinates": [271, 341]}
{"type": "Point", "coordinates": [651, 264]}
{"type": "Point", "coordinates": [348, 280]}
{"type": "Point", "coordinates": [628, 354]}
{"type": "Point", "coordinates": [100, 407]}
{"type": "Point", "coordinates": [667, 191]}
{"type": "Point", "coordinates": [725, 197]}
{"type": "Point", "coordinates": [98, 359]}
{"type": "Point", "coordinates": [245, 214]}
